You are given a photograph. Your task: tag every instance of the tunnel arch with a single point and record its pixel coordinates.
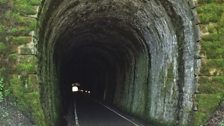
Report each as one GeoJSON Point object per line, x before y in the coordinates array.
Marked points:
{"type": "Point", "coordinates": [137, 55]}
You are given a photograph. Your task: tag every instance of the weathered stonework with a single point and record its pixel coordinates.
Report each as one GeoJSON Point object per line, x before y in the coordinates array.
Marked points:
{"type": "Point", "coordinates": [152, 44]}
{"type": "Point", "coordinates": [19, 60]}
{"type": "Point", "coordinates": [154, 63]}
{"type": "Point", "coordinates": [211, 77]}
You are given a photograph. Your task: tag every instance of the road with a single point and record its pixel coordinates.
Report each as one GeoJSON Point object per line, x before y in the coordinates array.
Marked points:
{"type": "Point", "coordinates": [89, 112]}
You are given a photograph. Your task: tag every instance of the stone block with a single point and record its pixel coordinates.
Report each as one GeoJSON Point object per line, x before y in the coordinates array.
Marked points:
{"type": "Point", "coordinates": [21, 40]}
{"type": "Point", "coordinates": [32, 84]}
{"type": "Point", "coordinates": [27, 64]}
{"type": "Point", "coordinates": [25, 51]}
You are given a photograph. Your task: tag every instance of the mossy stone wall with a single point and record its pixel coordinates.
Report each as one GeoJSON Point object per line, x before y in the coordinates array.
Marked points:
{"type": "Point", "coordinates": [18, 64]}
{"type": "Point", "coordinates": [211, 78]}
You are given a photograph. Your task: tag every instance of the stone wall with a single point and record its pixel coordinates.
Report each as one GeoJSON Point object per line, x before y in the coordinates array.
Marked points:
{"type": "Point", "coordinates": [159, 82]}
{"type": "Point", "coordinates": [211, 78]}
{"type": "Point", "coordinates": [19, 56]}
{"type": "Point", "coordinates": [19, 60]}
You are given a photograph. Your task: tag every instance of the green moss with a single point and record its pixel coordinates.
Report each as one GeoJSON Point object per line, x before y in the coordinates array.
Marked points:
{"type": "Point", "coordinates": [211, 37]}
{"type": "Point", "coordinates": [35, 105]}
{"type": "Point", "coordinates": [212, 67]}
{"type": "Point", "coordinates": [212, 28]}
{"type": "Point", "coordinates": [26, 67]}
{"type": "Point", "coordinates": [3, 1]}
{"type": "Point", "coordinates": [207, 103]}
{"type": "Point", "coordinates": [13, 58]}
{"type": "Point", "coordinates": [23, 99]}
{"type": "Point", "coordinates": [2, 28]}
{"type": "Point", "coordinates": [211, 85]}
{"type": "Point", "coordinates": [27, 64]}
{"type": "Point", "coordinates": [34, 2]}
{"type": "Point", "coordinates": [32, 84]}
{"type": "Point", "coordinates": [16, 86]}
{"type": "Point", "coordinates": [2, 47]}
{"type": "Point", "coordinates": [20, 40]}
{"type": "Point", "coordinates": [213, 12]}
{"type": "Point", "coordinates": [21, 30]}
{"type": "Point", "coordinates": [208, 47]}
{"type": "Point", "coordinates": [25, 9]}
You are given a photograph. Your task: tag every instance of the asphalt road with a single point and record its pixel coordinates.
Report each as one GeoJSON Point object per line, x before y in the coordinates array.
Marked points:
{"type": "Point", "coordinates": [91, 113]}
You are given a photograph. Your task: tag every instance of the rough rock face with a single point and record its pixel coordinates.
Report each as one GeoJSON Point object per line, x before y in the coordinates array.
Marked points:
{"type": "Point", "coordinates": [11, 116]}
{"type": "Point", "coordinates": [138, 54]}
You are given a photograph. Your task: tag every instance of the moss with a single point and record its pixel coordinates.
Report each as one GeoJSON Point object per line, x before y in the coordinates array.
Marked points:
{"type": "Point", "coordinates": [211, 85]}
{"type": "Point", "coordinates": [27, 64]}
{"type": "Point", "coordinates": [32, 84]}
{"type": "Point", "coordinates": [20, 40]}
{"type": "Point", "coordinates": [2, 47]}
{"type": "Point", "coordinates": [26, 67]}
{"type": "Point", "coordinates": [212, 67]}
{"type": "Point", "coordinates": [25, 9]}
{"type": "Point", "coordinates": [13, 58]}
{"type": "Point", "coordinates": [207, 103]}
{"type": "Point", "coordinates": [213, 12]}
{"type": "Point", "coordinates": [26, 51]}
{"type": "Point", "coordinates": [16, 86]}
{"type": "Point", "coordinates": [23, 21]}
{"type": "Point", "coordinates": [2, 28]}
{"type": "Point", "coordinates": [3, 1]}
{"type": "Point", "coordinates": [208, 47]}
{"type": "Point", "coordinates": [34, 2]}
{"type": "Point", "coordinates": [23, 99]}
{"type": "Point", "coordinates": [21, 30]}
{"type": "Point", "coordinates": [211, 37]}
{"type": "Point", "coordinates": [213, 28]}
{"type": "Point", "coordinates": [34, 104]}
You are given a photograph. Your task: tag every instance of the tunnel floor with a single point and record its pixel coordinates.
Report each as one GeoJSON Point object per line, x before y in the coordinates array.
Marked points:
{"type": "Point", "coordinates": [88, 111]}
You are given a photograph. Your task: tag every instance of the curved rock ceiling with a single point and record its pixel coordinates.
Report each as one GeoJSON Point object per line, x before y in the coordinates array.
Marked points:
{"type": "Point", "coordinates": [138, 55]}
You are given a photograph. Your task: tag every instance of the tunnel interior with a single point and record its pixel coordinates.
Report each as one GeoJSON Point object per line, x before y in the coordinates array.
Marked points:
{"type": "Point", "coordinates": [99, 55]}
{"type": "Point", "coordinates": [136, 55]}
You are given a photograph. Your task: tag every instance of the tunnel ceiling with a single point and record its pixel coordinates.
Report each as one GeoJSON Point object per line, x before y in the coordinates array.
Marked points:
{"type": "Point", "coordinates": [135, 54]}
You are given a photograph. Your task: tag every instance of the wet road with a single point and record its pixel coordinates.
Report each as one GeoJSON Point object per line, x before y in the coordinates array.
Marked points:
{"type": "Point", "coordinates": [91, 113]}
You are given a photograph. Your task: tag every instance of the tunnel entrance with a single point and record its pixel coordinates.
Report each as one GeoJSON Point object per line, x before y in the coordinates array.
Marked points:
{"type": "Point", "coordinates": [101, 56]}
{"type": "Point", "coordinates": [136, 55]}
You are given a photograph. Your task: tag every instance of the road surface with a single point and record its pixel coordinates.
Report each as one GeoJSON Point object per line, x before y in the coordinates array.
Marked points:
{"type": "Point", "coordinates": [89, 112]}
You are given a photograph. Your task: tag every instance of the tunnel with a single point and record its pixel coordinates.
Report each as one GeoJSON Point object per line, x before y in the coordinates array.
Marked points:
{"type": "Point", "coordinates": [136, 55]}
{"type": "Point", "coordinates": [101, 56]}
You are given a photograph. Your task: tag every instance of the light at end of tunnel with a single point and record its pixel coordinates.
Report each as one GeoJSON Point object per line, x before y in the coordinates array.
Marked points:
{"type": "Point", "coordinates": [75, 89]}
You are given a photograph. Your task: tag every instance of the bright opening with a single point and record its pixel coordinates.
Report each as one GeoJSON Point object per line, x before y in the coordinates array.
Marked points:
{"type": "Point", "coordinates": [75, 89]}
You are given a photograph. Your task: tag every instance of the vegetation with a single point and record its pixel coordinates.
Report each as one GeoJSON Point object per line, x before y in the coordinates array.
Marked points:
{"type": "Point", "coordinates": [21, 85]}
{"type": "Point", "coordinates": [211, 81]}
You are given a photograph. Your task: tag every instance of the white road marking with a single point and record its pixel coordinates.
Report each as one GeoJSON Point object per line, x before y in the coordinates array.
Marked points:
{"type": "Point", "coordinates": [120, 115]}
{"type": "Point", "coordinates": [76, 116]}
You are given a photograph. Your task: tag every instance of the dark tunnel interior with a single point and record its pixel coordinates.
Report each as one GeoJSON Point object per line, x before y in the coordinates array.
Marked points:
{"type": "Point", "coordinates": [137, 56]}
{"type": "Point", "coordinates": [98, 55]}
